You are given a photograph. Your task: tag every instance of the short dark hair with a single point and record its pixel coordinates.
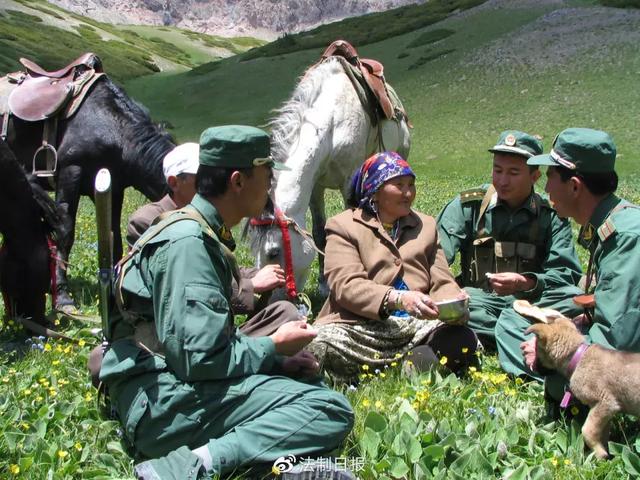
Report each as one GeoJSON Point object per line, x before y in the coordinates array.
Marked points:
{"type": "Point", "coordinates": [599, 183]}
{"type": "Point", "coordinates": [214, 181]}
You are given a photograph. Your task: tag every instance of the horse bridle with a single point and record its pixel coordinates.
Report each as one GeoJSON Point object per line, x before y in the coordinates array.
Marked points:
{"type": "Point", "coordinates": [284, 223]}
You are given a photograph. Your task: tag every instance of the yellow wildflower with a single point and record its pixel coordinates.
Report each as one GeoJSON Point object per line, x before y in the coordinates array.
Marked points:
{"type": "Point", "coordinates": [415, 405]}
{"type": "Point", "coordinates": [567, 461]}
{"type": "Point", "coordinates": [366, 403]}
{"type": "Point", "coordinates": [443, 360]}
{"type": "Point", "coordinates": [473, 369]}
{"type": "Point", "coordinates": [14, 469]}
{"type": "Point", "coordinates": [409, 353]}
{"type": "Point", "coordinates": [39, 398]}
{"type": "Point", "coordinates": [394, 364]}
{"type": "Point", "coordinates": [465, 349]}
{"type": "Point", "coordinates": [47, 347]}
{"type": "Point", "coordinates": [519, 381]}
{"type": "Point", "coordinates": [62, 453]}
{"type": "Point", "coordinates": [409, 363]}
{"type": "Point", "coordinates": [12, 371]}
{"type": "Point", "coordinates": [426, 382]}
{"type": "Point", "coordinates": [275, 470]}
{"type": "Point", "coordinates": [78, 446]}
{"type": "Point", "coordinates": [55, 362]}
{"type": "Point", "coordinates": [56, 322]}
{"type": "Point", "coordinates": [383, 375]}
{"type": "Point", "coordinates": [88, 397]}
{"type": "Point", "coordinates": [81, 343]}
{"type": "Point", "coordinates": [398, 355]}
{"type": "Point", "coordinates": [67, 350]}
{"type": "Point", "coordinates": [379, 405]}
{"type": "Point", "coordinates": [365, 367]}
{"type": "Point", "coordinates": [5, 380]}
{"type": "Point", "coordinates": [58, 349]}
{"type": "Point", "coordinates": [554, 461]}
{"type": "Point", "coordinates": [26, 392]}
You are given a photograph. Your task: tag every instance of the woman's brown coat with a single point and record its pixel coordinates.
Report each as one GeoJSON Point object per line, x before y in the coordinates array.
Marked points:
{"type": "Point", "coordinates": [362, 262]}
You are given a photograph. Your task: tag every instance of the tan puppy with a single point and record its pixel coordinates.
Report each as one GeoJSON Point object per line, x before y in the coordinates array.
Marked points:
{"type": "Point", "coordinates": [606, 380]}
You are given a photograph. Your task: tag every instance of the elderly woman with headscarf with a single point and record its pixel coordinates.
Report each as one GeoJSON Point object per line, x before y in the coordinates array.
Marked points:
{"type": "Point", "coordinates": [386, 271]}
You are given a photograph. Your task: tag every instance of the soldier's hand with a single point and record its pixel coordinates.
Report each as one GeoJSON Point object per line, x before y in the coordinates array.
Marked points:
{"type": "Point", "coordinates": [508, 283]}
{"type": "Point", "coordinates": [268, 277]}
{"type": "Point", "coordinates": [302, 364]}
{"type": "Point", "coordinates": [292, 337]}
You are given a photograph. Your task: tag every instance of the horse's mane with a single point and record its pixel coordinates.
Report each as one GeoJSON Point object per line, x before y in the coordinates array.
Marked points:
{"type": "Point", "coordinates": [147, 143]}
{"type": "Point", "coordinates": [285, 125]}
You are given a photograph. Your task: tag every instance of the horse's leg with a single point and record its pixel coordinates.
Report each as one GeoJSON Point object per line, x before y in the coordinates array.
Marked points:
{"type": "Point", "coordinates": [117, 197]}
{"type": "Point", "coordinates": [68, 197]}
{"type": "Point", "coordinates": [319, 219]}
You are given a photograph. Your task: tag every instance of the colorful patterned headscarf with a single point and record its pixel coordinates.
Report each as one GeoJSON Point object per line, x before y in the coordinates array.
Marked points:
{"type": "Point", "coordinates": [376, 170]}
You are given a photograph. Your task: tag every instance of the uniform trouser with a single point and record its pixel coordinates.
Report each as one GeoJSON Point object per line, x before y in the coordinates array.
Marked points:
{"type": "Point", "coordinates": [492, 316]}
{"type": "Point", "coordinates": [244, 422]}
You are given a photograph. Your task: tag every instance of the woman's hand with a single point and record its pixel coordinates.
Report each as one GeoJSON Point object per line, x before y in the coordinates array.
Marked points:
{"type": "Point", "coordinates": [419, 305]}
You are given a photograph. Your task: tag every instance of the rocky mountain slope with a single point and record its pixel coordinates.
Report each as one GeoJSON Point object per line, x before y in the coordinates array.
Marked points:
{"type": "Point", "coordinates": [266, 19]}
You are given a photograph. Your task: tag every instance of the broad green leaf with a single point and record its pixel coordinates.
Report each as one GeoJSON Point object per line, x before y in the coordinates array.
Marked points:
{"type": "Point", "coordinates": [399, 468]}
{"type": "Point", "coordinates": [369, 443]}
{"type": "Point", "coordinates": [435, 452]}
{"type": "Point", "coordinates": [405, 408]}
{"type": "Point", "coordinates": [631, 462]}
{"type": "Point", "coordinates": [414, 450]}
{"type": "Point", "coordinates": [25, 463]}
{"type": "Point", "coordinates": [375, 422]}
{"type": "Point", "coordinates": [519, 473]}
{"type": "Point", "coordinates": [383, 465]}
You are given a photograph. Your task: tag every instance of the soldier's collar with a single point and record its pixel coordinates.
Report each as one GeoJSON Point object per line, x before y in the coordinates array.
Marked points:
{"type": "Point", "coordinates": [529, 204]}
{"type": "Point", "coordinates": [600, 214]}
{"type": "Point", "coordinates": [213, 218]}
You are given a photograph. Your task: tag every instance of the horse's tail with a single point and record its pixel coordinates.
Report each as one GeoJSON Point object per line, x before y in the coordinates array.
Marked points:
{"type": "Point", "coordinates": [53, 215]}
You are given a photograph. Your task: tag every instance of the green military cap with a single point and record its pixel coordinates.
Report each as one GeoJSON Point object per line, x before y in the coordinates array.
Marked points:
{"type": "Point", "coordinates": [239, 146]}
{"type": "Point", "coordinates": [581, 149]}
{"type": "Point", "coordinates": [520, 143]}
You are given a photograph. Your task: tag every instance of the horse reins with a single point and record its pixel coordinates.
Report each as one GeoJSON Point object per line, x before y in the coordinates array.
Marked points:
{"type": "Point", "coordinates": [283, 222]}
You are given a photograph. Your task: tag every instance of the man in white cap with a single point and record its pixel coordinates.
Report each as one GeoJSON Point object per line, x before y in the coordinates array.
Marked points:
{"type": "Point", "coordinates": [252, 293]}
{"type": "Point", "coordinates": [180, 166]}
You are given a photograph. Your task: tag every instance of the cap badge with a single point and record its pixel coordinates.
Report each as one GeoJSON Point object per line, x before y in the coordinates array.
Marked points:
{"type": "Point", "coordinates": [510, 140]}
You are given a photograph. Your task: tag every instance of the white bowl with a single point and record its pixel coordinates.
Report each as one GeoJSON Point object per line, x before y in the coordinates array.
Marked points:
{"type": "Point", "coordinates": [452, 309]}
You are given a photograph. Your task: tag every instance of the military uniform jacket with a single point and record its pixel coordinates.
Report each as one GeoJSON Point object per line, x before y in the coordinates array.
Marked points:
{"type": "Point", "coordinates": [243, 298]}
{"type": "Point", "coordinates": [613, 235]}
{"type": "Point", "coordinates": [180, 282]}
{"type": "Point", "coordinates": [362, 262]}
{"type": "Point", "coordinates": [458, 228]}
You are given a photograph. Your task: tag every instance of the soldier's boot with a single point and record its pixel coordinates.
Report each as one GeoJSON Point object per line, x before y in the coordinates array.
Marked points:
{"type": "Point", "coordinates": [181, 464]}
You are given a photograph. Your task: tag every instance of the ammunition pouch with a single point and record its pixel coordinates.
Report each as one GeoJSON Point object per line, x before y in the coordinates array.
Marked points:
{"type": "Point", "coordinates": [489, 256]}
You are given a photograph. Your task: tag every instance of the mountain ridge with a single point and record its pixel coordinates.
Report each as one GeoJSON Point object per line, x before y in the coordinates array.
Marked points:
{"type": "Point", "coordinates": [266, 19]}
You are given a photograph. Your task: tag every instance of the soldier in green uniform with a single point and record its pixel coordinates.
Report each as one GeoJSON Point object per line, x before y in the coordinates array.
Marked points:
{"type": "Point", "coordinates": [512, 245]}
{"type": "Point", "coordinates": [192, 392]}
{"type": "Point", "coordinates": [581, 181]}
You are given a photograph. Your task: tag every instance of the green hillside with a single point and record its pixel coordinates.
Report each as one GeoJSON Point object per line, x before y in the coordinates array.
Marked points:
{"type": "Point", "coordinates": [52, 37]}
{"type": "Point", "coordinates": [461, 87]}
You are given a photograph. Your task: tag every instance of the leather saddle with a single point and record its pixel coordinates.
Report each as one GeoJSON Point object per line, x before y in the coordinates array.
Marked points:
{"type": "Point", "coordinates": [41, 94]}
{"type": "Point", "coordinates": [371, 71]}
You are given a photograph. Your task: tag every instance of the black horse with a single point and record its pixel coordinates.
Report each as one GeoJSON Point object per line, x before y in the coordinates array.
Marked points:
{"type": "Point", "coordinates": [28, 218]}
{"type": "Point", "coordinates": [109, 130]}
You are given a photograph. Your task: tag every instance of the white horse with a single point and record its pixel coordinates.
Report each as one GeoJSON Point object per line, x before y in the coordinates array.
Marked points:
{"type": "Point", "coordinates": [322, 133]}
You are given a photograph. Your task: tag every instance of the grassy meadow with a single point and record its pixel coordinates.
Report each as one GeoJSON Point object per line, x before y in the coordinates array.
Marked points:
{"type": "Point", "coordinates": [539, 66]}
